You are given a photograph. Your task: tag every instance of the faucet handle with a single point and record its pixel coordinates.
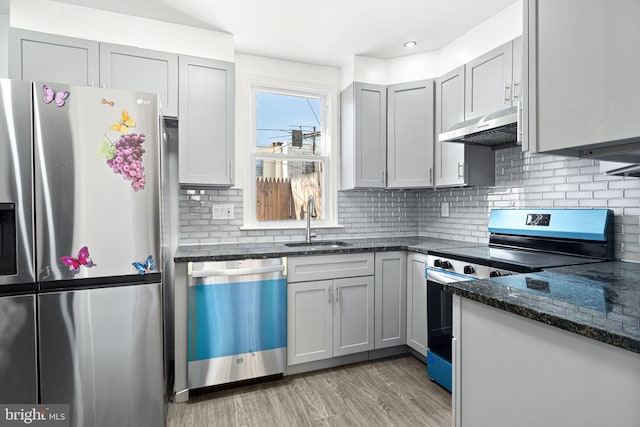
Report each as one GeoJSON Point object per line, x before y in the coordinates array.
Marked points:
{"type": "Point", "coordinates": [313, 234]}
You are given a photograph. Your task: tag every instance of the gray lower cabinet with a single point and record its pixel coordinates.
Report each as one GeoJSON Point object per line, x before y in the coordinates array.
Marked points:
{"type": "Point", "coordinates": [410, 121]}
{"type": "Point", "coordinates": [309, 321]}
{"type": "Point", "coordinates": [144, 70]}
{"type": "Point", "coordinates": [417, 303]}
{"type": "Point", "coordinates": [18, 361]}
{"type": "Point", "coordinates": [353, 322]}
{"type": "Point", "coordinates": [390, 299]}
{"type": "Point", "coordinates": [582, 82]}
{"type": "Point", "coordinates": [458, 164]}
{"type": "Point", "coordinates": [489, 82]}
{"type": "Point", "coordinates": [363, 135]}
{"type": "Point", "coordinates": [206, 132]}
{"type": "Point", "coordinates": [334, 314]}
{"type": "Point", "coordinates": [51, 58]}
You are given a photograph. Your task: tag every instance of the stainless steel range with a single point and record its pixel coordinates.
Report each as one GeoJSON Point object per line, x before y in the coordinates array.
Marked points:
{"type": "Point", "coordinates": [521, 241]}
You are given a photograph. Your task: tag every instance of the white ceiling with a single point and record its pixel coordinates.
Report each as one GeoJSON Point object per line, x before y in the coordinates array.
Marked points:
{"type": "Point", "coordinates": [322, 32]}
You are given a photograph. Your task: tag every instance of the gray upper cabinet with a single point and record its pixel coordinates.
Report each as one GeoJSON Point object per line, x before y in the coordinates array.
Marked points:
{"type": "Point", "coordinates": [458, 164]}
{"type": "Point", "coordinates": [206, 132]}
{"type": "Point", "coordinates": [516, 86]}
{"type": "Point", "coordinates": [130, 68]}
{"type": "Point", "coordinates": [410, 134]}
{"type": "Point", "coordinates": [51, 58]}
{"type": "Point", "coordinates": [363, 132]}
{"type": "Point", "coordinates": [489, 82]}
{"type": "Point", "coordinates": [449, 156]}
{"type": "Point", "coordinates": [582, 62]}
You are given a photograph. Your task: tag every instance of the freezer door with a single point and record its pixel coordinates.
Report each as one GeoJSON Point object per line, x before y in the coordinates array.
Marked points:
{"type": "Point", "coordinates": [101, 353]}
{"type": "Point", "coordinates": [97, 181]}
{"type": "Point", "coordinates": [18, 369]}
{"type": "Point", "coordinates": [17, 264]}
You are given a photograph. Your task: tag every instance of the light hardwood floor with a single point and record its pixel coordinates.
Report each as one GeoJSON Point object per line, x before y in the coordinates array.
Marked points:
{"type": "Point", "coordinates": [394, 392]}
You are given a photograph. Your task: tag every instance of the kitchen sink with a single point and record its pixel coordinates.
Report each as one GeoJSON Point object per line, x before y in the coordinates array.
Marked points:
{"type": "Point", "coordinates": [318, 243]}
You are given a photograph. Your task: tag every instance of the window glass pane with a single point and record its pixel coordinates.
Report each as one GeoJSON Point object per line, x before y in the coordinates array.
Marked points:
{"type": "Point", "coordinates": [283, 187]}
{"type": "Point", "coordinates": [288, 124]}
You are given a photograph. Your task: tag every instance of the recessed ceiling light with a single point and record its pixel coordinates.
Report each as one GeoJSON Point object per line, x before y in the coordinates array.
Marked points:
{"type": "Point", "coordinates": [410, 43]}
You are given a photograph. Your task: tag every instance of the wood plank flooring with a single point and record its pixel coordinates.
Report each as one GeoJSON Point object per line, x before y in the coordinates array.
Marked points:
{"type": "Point", "coordinates": [392, 392]}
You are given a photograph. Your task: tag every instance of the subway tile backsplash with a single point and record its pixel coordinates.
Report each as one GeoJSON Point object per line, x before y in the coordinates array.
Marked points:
{"type": "Point", "coordinates": [522, 180]}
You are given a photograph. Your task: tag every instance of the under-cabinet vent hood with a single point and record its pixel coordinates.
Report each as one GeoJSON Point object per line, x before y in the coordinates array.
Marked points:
{"type": "Point", "coordinates": [496, 130]}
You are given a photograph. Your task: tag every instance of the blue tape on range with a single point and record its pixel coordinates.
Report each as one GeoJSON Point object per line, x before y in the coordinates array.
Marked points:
{"type": "Point", "coordinates": [236, 318]}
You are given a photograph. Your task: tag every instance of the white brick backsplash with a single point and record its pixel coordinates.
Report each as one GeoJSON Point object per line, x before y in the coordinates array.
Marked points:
{"type": "Point", "coordinates": [523, 180]}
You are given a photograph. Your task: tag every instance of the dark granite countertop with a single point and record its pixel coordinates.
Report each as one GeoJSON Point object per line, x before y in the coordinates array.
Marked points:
{"type": "Point", "coordinates": [599, 300]}
{"type": "Point", "coordinates": [228, 252]}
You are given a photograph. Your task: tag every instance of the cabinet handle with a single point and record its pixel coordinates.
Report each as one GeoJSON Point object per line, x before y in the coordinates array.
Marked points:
{"type": "Point", "coordinates": [430, 175]}
{"type": "Point", "coordinates": [460, 170]}
{"type": "Point", "coordinates": [516, 85]}
{"type": "Point", "coordinates": [506, 96]}
{"type": "Point", "coordinates": [383, 181]}
{"type": "Point", "coordinates": [337, 294]}
{"type": "Point", "coordinates": [329, 301]}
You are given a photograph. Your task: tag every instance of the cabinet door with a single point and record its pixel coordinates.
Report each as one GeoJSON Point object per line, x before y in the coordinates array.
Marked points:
{"type": "Point", "coordinates": [353, 315]}
{"type": "Point", "coordinates": [417, 303]}
{"type": "Point", "coordinates": [309, 321]}
{"type": "Point", "coordinates": [410, 134]}
{"type": "Point", "coordinates": [141, 70]}
{"type": "Point", "coordinates": [390, 299]}
{"type": "Point", "coordinates": [206, 131]}
{"type": "Point", "coordinates": [449, 156]}
{"type": "Point", "coordinates": [51, 58]}
{"type": "Point", "coordinates": [582, 75]}
{"type": "Point", "coordinates": [516, 87]}
{"type": "Point", "coordinates": [363, 130]}
{"type": "Point", "coordinates": [488, 82]}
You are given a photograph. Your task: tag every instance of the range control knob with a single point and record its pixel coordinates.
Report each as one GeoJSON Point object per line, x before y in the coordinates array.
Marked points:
{"type": "Point", "coordinates": [437, 263]}
{"type": "Point", "coordinates": [468, 269]}
{"type": "Point", "coordinates": [494, 273]}
{"type": "Point", "coordinates": [446, 265]}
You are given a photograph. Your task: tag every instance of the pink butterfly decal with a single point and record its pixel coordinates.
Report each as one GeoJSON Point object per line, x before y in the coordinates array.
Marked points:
{"type": "Point", "coordinates": [52, 96]}
{"type": "Point", "coordinates": [75, 263]}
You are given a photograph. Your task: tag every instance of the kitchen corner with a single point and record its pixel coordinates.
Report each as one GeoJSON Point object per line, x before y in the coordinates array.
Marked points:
{"type": "Point", "coordinates": [324, 226]}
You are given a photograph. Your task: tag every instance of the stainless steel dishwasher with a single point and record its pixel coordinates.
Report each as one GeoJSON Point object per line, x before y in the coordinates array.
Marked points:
{"type": "Point", "coordinates": [237, 325]}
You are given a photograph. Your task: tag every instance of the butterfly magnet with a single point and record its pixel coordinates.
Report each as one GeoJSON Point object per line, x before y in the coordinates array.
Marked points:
{"type": "Point", "coordinates": [143, 268]}
{"type": "Point", "coordinates": [124, 124]}
{"type": "Point", "coordinates": [49, 95]}
{"type": "Point", "coordinates": [74, 264]}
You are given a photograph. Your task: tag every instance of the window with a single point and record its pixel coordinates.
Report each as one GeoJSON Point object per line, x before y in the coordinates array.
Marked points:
{"type": "Point", "coordinates": [289, 159]}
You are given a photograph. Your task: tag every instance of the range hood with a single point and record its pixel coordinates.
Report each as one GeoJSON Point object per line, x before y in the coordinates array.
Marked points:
{"type": "Point", "coordinates": [496, 130]}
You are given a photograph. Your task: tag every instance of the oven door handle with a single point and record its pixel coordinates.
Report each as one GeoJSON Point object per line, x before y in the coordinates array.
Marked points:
{"type": "Point", "coordinates": [443, 277]}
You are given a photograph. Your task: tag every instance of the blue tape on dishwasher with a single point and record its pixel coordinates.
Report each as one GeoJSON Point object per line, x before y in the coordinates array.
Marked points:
{"type": "Point", "coordinates": [236, 318]}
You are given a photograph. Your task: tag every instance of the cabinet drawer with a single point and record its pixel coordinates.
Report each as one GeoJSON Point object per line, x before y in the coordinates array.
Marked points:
{"type": "Point", "coordinates": [323, 267]}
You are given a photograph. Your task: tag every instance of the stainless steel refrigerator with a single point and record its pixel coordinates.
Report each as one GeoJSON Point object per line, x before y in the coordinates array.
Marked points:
{"type": "Point", "coordinates": [97, 156]}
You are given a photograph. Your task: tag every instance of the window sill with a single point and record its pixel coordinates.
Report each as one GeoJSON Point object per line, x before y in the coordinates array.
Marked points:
{"type": "Point", "coordinates": [293, 227]}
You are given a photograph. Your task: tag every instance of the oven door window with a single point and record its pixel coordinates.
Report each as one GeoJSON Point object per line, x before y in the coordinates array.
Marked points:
{"type": "Point", "coordinates": [439, 319]}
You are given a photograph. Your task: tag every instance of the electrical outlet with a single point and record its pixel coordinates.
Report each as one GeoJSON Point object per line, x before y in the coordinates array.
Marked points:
{"type": "Point", "coordinates": [444, 210]}
{"type": "Point", "coordinates": [222, 212]}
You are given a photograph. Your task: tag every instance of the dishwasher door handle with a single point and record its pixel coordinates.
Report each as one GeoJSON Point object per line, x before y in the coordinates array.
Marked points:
{"type": "Point", "coordinates": [238, 271]}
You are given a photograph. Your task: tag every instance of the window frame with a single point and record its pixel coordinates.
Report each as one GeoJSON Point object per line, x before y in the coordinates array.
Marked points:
{"type": "Point", "coordinates": [330, 157]}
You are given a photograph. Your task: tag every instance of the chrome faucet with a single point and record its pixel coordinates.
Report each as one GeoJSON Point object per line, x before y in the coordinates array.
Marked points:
{"type": "Point", "coordinates": [311, 212]}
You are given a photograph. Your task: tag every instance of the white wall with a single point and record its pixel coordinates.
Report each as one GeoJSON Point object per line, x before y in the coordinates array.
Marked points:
{"type": "Point", "coordinates": [93, 24]}
{"type": "Point", "coordinates": [499, 29]}
{"type": "Point", "coordinates": [493, 32]}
